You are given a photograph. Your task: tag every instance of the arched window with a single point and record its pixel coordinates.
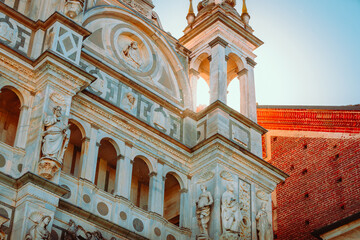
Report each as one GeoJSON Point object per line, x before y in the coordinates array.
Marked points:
{"type": "Point", "coordinates": [172, 199]}
{"type": "Point", "coordinates": [9, 116]}
{"type": "Point", "coordinates": [106, 166]}
{"type": "Point", "coordinates": [140, 184]}
{"type": "Point", "coordinates": [73, 152]}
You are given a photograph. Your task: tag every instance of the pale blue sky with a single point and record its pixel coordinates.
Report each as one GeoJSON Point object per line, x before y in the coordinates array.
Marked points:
{"type": "Point", "coordinates": [311, 54]}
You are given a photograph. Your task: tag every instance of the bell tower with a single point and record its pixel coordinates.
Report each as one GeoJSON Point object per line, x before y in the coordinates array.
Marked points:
{"type": "Point", "coordinates": [222, 45]}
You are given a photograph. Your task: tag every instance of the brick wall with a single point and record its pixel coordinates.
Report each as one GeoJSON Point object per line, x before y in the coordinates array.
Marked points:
{"type": "Point", "coordinates": [324, 169]}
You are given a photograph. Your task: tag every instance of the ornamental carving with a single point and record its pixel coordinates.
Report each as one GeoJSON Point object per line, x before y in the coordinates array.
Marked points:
{"type": "Point", "coordinates": [39, 230]}
{"type": "Point", "coordinates": [55, 141]}
{"type": "Point", "coordinates": [203, 208]}
{"type": "Point", "coordinates": [263, 225]}
{"type": "Point", "coordinates": [226, 176]}
{"type": "Point", "coordinates": [206, 176]}
{"type": "Point", "coordinates": [131, 55]}
{"type": "Point", "coordinates": [77, 232]}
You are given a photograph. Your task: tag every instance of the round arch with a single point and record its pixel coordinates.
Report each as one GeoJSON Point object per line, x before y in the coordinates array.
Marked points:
{"type": "Point", "coordinates": [181, 81]}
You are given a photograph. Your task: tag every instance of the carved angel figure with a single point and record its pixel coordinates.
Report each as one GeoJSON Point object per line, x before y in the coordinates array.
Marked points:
{"type": "Point", "coordinates": [230, 211]}
{"type": "Point", "coordinates": [56, 136]}
{"type": "Point", "coordinates": [203, 209]}
{"type": "Point", "coordinates": [132, 55]}
{"type": "Point", "coordinates": [263, 225]}
{"type": "Point", "coordinates": [39, 230]}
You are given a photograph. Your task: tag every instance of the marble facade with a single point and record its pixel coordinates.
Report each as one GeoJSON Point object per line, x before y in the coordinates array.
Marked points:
{"type": "Point", "coordinates": [108, 71]}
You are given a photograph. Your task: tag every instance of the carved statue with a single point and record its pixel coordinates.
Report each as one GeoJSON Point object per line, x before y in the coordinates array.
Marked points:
{"type": "Point", "coordinates": [129, 101]}
{"type": "Point", "coordinates": [132, 55]}
{"type": "Point", "coordinates": [39, 230]}
{"type": "Point", "coordinates": [203, 209]}
{"type": "Point", "coordinates": [55, 141]}
{"type": "Point", "coordinates": [262, 223]}
{"type": "Point", "coordinates": [230, 214]}
{"type": "Point", "coordinates": [72, 233]}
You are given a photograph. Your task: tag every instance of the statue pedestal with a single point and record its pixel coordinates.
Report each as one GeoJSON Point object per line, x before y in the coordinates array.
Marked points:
{"type": "Point", "coordinates": [229, 236]}
{"type": "Point", "coordinates": [202, 237]}
{"type": "Point", "coordinates": [48, 168]}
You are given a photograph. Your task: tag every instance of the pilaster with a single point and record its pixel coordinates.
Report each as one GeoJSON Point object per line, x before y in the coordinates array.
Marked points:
{"type": "Point", "coordinates": [218, 70]}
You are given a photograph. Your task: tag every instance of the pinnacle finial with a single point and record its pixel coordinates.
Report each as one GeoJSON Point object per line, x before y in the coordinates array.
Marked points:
{"type": "Point", "coordinates": [191, 9]}
{"type": "Point", "coordinates": [244, 8]}
{"type": "Point", "coordinates": [191, 15]}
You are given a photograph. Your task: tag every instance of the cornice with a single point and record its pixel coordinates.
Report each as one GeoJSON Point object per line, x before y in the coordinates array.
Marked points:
{"type": "Point", "coordinates": [43, 25]}
{"type": "Point", "coordinates": [33, 179]}
{"type": "Point", "coordinates": [221, 17]}
{"type": "Point", "coordinates": [234, 114]}
{"type": "Point", "coordinates": [98, 221]}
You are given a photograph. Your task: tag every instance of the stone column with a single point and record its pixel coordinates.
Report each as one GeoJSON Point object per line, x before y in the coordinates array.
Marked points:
{"type": "Point", "coordinates": [251, 89]}
{"type": "Point", "coordinates": [88, 169]}
{"type": "Point", "coordinates": [23, 127]}
{"type": "Point", "coordinates": [156, 192]}
{"type": "Point", "coordinates": [118, 183]}
{"type": "Point", "coordinates": [85, 145]}
{"type": "Point", "coordinates": [244, 94]}
{"type": "Point", "coordinates": [184, 208]}
{"type": "Point", "coordinates": [125, 172]}
{"type": "Point", "coordinates": [194, 77]}
{"type": "Point", "coordinates": [218, 70]}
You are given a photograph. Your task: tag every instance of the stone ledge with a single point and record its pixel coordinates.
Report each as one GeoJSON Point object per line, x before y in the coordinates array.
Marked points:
{"type": "Point", "coordinates": [98, 221]}
{"type": "Point", "coordinates": [29, 177]}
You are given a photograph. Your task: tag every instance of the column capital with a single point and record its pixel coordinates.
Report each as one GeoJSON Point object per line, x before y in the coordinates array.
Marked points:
{"type": "Point", "coordinates": [85, 139]}
{"type": "Point", "coordinates": [209, 58]}
{"type": "Point", "coordinates": [193, 72]}
{"type": "Point", "coordinates": [242, 72]}
{"type": "Point", "coordinates": [250, 62]}
{"type": "Point", "coordinates": [161, 161]}
{"type": "Point", "coordinates": [120, 157]}
{"type": "Point", "coordinates": [98, 144]}
{"type": "Point", "coordinates": [227, 58]}
{"type": "Point", "coordinates": [152, 174]}
{"type": "Point", "coordinates": [184, 190]}
{"type": "Point", "coordinates": [218, 40]}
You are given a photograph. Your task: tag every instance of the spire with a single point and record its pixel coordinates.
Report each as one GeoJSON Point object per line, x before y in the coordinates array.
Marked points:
{"type": "Point", "coordinates": [191, 15]}
{"type": "Point", "coordinates": [244, 9]}
{"type": "Point", "coordinates": [245, 16]}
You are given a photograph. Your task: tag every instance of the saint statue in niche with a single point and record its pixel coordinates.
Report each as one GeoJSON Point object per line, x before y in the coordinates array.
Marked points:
{"type": "Point", "coordinates": [55, 141]}
{"type": "Point", "coordinates": [203, 209]}
{"type": "Point", "coordinates": [230, 214]}
{"type": "Point", "coordinates": [39, 230]}
{"type": "Point", "coordinates": [262, 224]}
{"type": "Point", "coordinates": [56, 136]}
{"type": "Point", "coordinates": [132, 55]}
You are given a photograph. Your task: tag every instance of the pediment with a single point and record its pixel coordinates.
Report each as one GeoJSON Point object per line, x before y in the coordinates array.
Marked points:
{"type": "Point", "coordinates": [138, 50]}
